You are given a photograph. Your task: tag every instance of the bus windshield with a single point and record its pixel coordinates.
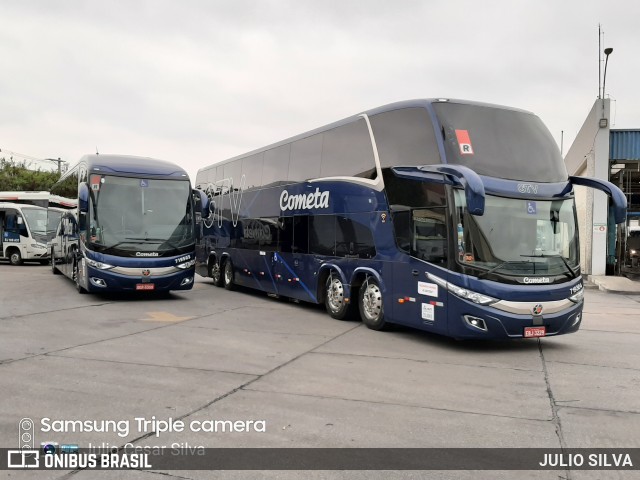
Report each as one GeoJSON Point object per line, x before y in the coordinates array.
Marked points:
{"type": "Point", "coordinates": [500, 142]}
{"type": "Point", "coordinates": [140, 215]}
{"type": "Point", "coordinates": [36, 219]}
{"type": "Point", "coordinates": [517, 237]}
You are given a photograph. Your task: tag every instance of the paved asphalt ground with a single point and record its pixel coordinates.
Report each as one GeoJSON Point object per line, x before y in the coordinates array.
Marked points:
{"type": "Point", "coordinates": [316, 382]}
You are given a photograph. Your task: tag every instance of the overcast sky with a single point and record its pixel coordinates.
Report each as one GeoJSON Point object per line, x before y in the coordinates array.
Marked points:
{"type": "Point", "coordinates": [196, 82]}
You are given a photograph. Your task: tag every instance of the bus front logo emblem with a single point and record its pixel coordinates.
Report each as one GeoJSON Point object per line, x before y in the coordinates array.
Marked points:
{"type": "Point", "coordinates": [537, 310]}
{"type": "Point", "coordinates": [146, 273]}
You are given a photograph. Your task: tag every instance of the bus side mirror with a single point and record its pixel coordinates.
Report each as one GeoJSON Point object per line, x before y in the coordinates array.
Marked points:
{"type": "Point", "coordinates": [83, 198]}
{"type": "Point", "coordinates": [204, 202]}
{"type": "Point", "coordinates": [618, 198]}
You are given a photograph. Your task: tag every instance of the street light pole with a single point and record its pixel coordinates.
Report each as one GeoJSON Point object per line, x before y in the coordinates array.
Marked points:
{"type": "Point", "coordinates": [607, 52]}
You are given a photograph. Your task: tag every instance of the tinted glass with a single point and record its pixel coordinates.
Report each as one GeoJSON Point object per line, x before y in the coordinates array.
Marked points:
{"type": "Point", "coordinates": [500, 143]}
{"type": "Point", "coordinates": [353, 239]}
{"type": "Point", "coordinates": [305, 158]}
{"type": "Point", "coordinates": [301, 234]}
{"type": "Point", "coordinates": [429, 240]}
{"type": "Point", "coordinates": [405, 137]}
{"type": "Point", "coordinates": [276, 165]}
{"type": "Point", "coordinates": [252, 170]}
{"type": "Point", "coordinates": [269, 237]}
{"type": "Point", "coordinates": [254, 233]}
{"type": "Point", "coordinates": [322, 235]}
{"type": "Point", "coordinates": [411, 193]}
{"type": "Point", "coordinates": [347, 151]}
{"type": "Point", "coordinates": [285, 234]}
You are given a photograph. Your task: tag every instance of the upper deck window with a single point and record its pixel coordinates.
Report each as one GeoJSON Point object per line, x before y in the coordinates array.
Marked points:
{"type": "Point", "coordinates": [501, 143]}
{"type": "Point", "coordinates": [405, 137]}
{"type": "Point", "coordinates": [347, 151]}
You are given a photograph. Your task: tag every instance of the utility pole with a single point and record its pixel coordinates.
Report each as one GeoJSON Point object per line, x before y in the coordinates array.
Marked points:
{"type": "Point", "coordinates": [59, 162]}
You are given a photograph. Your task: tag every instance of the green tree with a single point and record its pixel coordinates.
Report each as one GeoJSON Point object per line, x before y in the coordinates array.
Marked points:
{"type": "Point", "coordinates": [16, 176]}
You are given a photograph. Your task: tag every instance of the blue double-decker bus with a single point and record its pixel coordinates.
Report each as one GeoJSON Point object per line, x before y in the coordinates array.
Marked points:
{"type": "Point", "coordinates": [449, 216]}
{"type": "Point", "coordinates": [128, 224]}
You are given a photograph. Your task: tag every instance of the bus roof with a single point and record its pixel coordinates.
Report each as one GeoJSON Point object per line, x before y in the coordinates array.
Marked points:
{"type": "Point", "coordinates": [129, 164]}
{"type": "Point", "coordinates": [424, 103]}
{"type": "Point", "coordinates": [11, 196]}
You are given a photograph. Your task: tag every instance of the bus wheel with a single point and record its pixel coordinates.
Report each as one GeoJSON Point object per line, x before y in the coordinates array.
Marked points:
{"type": "Point", "coordinates": [228, 275]}
{"type": "Point", "coordinates": [54, 270]}
{"type": "Point", "coordinates": [216, 274]}
{"type": "Point", "coordinates": [14, 257]}
{"type": "Point", "coordinates": [334, 300]}
{"type": "Point", "coordinates": [370, 303]}
{"type": "Point", "coordinates": [76, 279]}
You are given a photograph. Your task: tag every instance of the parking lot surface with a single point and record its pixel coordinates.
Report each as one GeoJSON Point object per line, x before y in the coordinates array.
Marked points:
{"type": "Point", "coordinates": [210, 354]}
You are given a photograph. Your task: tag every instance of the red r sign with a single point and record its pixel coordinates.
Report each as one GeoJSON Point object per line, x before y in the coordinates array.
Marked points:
{"type": "Point", "coordinates": [464, 142]}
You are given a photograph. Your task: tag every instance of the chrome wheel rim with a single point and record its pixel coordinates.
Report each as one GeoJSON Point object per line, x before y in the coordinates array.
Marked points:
{"type": "Point", "coordinates": [372, 302]}
{"type": "Point", "coordinates": [335, 294]}
{"type": "Point", "coordinates": [15, 258]}
{"type": "Point", "coordinates": [227, 273]}
{"type": "Point", "coordinates": [215, 272]}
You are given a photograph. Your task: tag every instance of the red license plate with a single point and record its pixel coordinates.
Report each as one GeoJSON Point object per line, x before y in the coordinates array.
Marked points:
{"type": "Point", "coordinates": [145, 286]}
{"type": "Point", "coordinates": [532, 332]}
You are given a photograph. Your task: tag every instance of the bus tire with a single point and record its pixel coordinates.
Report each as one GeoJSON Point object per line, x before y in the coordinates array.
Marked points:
{"type": "Point", "coordinates": [215, 272]}
{"type": "Point", "coordinates": [335, 303]}
{"type": "Point", "coordinates": [14, 257]}
{"type": "Point", "coordinates": [370, 304]}
{"type": "Point", "coordinates": [76, 279]}
{"type": "Point", "coordinates": [227, 279]}
{"type": "Point", "coordinates": [54, 270]}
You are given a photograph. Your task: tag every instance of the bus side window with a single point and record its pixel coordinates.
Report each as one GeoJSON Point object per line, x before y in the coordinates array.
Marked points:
{"type": "Point", "coordinates": [285, 237]}
{"type": "Point", "coordinates": [300, 234]}
{"type": "Point", "coordinates": [354, 239]}
{"type": "Point", "coordinates": [402, 229]}
{"type": "Point", "coordinates": [322, 235]}
{"type": "Point", "coordinates": [430, 235]}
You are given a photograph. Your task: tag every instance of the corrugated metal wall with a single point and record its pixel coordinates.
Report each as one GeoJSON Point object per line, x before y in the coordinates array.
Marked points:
{"type": "Point", "coordinates": [624, 145]}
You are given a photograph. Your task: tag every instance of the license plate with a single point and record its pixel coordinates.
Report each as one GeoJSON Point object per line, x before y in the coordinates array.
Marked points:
{"type": "Point", "coordinates": [532, 332]}
{"type": "Point", "coordinates": [145, 286]}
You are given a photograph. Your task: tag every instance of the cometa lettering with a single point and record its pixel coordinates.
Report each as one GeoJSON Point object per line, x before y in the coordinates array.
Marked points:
{"type": "Point", "coordinates": [147, 254]}
{"type": "Point", "coordinates": [537, 280]}
{"type": "Point", "coordinates": [304, 201]}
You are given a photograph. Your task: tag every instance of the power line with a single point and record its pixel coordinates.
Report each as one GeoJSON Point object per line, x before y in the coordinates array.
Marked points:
{"type": "Point", "coordinates": [28, 158]}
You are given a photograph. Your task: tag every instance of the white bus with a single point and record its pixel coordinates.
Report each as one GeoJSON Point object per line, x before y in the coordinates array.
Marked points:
{"type": "Point", "coordinates": [24, 233]}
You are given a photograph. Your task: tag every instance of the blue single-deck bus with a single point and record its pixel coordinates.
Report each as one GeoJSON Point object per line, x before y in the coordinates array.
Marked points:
{"type": "Point", "coordinates": [129, 225]}
{"type": "Point", "coordinates": [448, 216]}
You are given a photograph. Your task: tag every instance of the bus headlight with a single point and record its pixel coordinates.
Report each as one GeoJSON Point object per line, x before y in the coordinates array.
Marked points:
{"type": "Point", "coordinates": [577, 297]}
{"type": "Point", "coordinates": [98, 265]}
{"type": "Point", "coordinates": [186, 265]}
{"type": "Point", "coordinates": [470, 295]}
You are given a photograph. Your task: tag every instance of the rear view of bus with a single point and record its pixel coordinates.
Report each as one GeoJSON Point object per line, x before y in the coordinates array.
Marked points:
{"type": "Point", "coordinates": [132, 228]}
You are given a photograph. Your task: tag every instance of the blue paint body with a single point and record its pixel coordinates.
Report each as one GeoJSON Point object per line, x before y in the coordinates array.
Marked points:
{"type": "Point", "coordinates": [410, 295]}
{"type": "Point", "coordinates": [75, 255]}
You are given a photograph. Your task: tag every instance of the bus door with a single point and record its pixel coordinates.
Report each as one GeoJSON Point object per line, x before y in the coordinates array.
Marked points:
{"type": "Point", "coordinates": [67, 243]}
{"type": "Point", "coordinates": [417, 300]}
{"type": "Point", "coordinates": [292, 266]}
{"type": "Point", "coordinates": [13, 227]}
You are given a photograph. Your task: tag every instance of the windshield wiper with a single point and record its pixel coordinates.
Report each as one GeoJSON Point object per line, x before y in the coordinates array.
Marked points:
{"type": "Point", "coordinates": [555, 255]}
{"type": "Point", "coordinates": [500, 265]}
{"type": "Point", "coordinates": [156, 240]}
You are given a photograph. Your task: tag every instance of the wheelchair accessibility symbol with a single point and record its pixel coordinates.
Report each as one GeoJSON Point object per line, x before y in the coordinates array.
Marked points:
{"type": "Point", "coordinates": [531, 208]}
